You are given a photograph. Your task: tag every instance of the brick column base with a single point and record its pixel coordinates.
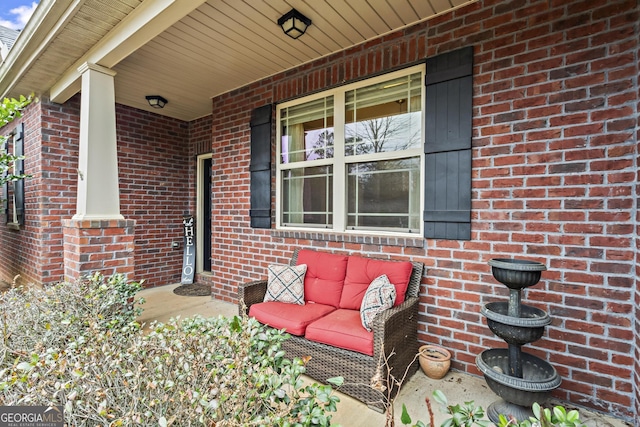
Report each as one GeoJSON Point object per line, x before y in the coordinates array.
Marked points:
{"type": "Point", "coordinates": [105, 246]}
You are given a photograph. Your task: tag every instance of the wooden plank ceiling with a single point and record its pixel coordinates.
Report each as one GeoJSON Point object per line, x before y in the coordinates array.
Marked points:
{"type": "Point", "coordinates": [223, 45]}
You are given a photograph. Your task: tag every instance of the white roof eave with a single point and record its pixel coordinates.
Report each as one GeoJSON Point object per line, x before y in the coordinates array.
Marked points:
{"type": "Point", "coordinates": [49, 18]}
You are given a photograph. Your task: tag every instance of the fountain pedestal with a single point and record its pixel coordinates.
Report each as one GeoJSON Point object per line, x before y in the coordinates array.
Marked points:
{"type": "Point", "coordinates": [519, 378]}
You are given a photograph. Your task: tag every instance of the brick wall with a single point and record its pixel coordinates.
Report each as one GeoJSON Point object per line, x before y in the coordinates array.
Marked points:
{"type": "Point", "coordinates": [153, 165]}
{"type": "Point", "coordinates": [35, 252]}
{"type": "Point", "coordinates": [11, 258]}
{"type": "Point", "coordinates": [155, 172]}
{"type": "Point", "coordinates": [59, 184]}
{"type": "Point", "coordinates": [104, 247]}
{"type": "Point", "coordinates": [555, 169]}
{"type": "Point", "coordinates": [200, 136]}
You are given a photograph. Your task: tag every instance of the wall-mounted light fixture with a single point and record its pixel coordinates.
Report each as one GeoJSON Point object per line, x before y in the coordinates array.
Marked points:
{"type": "Point", "coordinates": [294, 24]}
{"type": "Point", "coordinates": [156, 101]}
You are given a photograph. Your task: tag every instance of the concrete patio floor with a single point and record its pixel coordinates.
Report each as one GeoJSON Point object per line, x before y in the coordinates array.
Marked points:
{"type": "Point", "coordinates": [162, 304]}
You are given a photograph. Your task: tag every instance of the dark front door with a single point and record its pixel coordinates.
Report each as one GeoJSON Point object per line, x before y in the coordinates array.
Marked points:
{"type": "Point", "coordinates": [206, 215]}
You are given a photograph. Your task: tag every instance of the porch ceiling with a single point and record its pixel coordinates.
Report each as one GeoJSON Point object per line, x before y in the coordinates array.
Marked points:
{"type": "Point", "coordinates": [192, 54]}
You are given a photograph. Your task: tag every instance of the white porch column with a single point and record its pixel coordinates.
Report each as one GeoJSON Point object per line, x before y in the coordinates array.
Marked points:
{"type": "Point", "coordinates": [98, 192]}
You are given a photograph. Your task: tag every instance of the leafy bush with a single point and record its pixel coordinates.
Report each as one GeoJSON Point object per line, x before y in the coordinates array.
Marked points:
{"type": "Point", "coordinates": [545, 417]}
{"type": "Point", "coordinates": [78, 345]}
{"type": "Point", "coordinates": [469, 415]}
{"type": "Point", "coordinates": [11, 108]}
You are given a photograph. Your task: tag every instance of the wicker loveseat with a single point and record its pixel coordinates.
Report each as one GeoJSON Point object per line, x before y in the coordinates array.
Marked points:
{"type": "Point", "coordinates": [394, 331]}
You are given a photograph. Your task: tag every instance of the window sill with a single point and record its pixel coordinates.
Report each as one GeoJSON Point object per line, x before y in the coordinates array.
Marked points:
{"type": "Point", "coordinates": [13, 226]}
{"type": "Point", "coordinates": [411, 242]}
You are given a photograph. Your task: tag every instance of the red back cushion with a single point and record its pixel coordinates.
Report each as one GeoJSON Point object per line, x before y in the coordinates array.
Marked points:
{"type": "Point", "coordinates": [325, 276]}
{"type": "Point", "coordinates": [362, 271]}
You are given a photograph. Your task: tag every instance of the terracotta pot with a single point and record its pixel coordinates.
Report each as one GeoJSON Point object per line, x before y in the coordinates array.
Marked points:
{"type": "Point", "coordinates": [434, 361]}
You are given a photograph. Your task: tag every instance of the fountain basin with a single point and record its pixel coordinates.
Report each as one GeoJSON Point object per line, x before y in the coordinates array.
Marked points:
{"type": "Point", "coordinates": [539, 378]}
{"type": "Point", "coordinates": [527, 328]}
{"type": "Point", "coordinates": [516, 273]}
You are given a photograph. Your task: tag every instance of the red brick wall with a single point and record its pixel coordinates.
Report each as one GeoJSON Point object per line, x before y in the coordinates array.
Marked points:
{"type": "Point", "coordinates": [555, 164]}
{"type": "Point", "coordinates": [59, 184]}
{"type": "Point", "coordinates": [154, 169]}
{"type": "Point", "coordinates": [13, 259]}
{"type": "Point", "coordinates": [104, 247]}
{"type": "Point", "coordinates": [200, 136]}
{"type": "Point", "coordinates": [35, 252]}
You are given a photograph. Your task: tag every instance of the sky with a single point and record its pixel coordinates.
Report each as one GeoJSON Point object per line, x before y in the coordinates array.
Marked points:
{"type": "Point", "coordinates": [14, 14]}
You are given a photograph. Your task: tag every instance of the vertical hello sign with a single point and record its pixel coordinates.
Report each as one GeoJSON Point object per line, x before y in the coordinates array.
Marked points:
{"type": "Point", "coordinates": [189, 257]}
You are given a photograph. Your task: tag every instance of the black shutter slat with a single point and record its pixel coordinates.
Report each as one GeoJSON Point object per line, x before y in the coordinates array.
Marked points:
{"type": "Point", "coordinates": [448, 132]}
{"type": "Point", "coordinates": [260, 167]}
{"type": "Point", "coordinates": [260, 212]}
{"type": "Point", "coordinates": [439, 216]}
{"type": "Point", "coordinates": [450, 74]}
{"type": "Point", "coordinates": [18, 186]}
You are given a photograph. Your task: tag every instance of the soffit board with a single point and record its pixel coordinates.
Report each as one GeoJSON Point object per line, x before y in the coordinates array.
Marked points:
{"type": "Point", "coordinates": [220, 46]}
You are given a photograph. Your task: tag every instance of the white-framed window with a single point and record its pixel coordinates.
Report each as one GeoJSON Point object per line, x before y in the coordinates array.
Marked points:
{"type": "Point", "coordinates": [351, 159]}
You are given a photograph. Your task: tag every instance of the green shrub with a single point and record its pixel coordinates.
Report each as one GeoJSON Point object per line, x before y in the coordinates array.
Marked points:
{"type": "Point", "coordinates": [87, 354]}
{"type": "Point", "coordinates": [469, 415]}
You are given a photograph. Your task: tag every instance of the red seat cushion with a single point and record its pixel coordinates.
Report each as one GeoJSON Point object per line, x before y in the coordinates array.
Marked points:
{"type": "Point", "coordinates": [325, 276]}
{"type": "Point", "coordinates": [362, 271]}
{"type": "Point", "coordinates": [342, 328]}
{"type": "Point", "coordinates": [293, 318]}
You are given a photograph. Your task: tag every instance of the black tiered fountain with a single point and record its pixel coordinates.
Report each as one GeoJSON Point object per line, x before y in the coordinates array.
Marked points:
{"type": "Point", "coordinates": [519, 378]}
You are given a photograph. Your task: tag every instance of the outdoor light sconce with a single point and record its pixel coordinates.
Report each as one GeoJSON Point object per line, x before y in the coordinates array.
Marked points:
{"type": "Point", "coordinates": [294, 24]}
{"type": "Point", "coordinates": [156, 101]}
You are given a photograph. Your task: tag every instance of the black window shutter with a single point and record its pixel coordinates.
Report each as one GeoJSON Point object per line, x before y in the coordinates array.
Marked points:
{"type": "Point", "coordinates": [260, 167]}
{"type": "Point", "coordinates": [447, 148]}
{"type": "Point", "coordinates": [18, 186]}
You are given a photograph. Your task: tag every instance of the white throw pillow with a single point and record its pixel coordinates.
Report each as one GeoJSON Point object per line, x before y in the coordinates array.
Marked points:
{"type": "Point", "coordinates": [380, 295]}
{"type": "Point", "coordinates": [286, 284]}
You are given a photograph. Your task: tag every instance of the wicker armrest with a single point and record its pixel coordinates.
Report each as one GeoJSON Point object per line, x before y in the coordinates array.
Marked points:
{"type": "Point", "coordinates": [396, 328]}
{"type": "Point", "coordinates": [250, 293]}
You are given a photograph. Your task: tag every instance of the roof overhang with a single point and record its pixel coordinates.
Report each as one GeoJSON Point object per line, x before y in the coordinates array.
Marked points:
{"type": "Point", "coordinates": [189, 51]}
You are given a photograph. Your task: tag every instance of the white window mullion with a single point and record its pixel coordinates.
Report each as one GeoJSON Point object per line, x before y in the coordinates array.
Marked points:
{"type": "Point", "coordinates": [339, 167]}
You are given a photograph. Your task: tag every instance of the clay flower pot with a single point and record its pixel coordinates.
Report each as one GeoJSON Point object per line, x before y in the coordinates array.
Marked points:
{"type": "Point", "coordinates": [434, 361]}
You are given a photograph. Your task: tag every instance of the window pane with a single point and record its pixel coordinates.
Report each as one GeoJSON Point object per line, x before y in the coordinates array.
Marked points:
{"type": "Point", "coordinates": [384, 194]}
{"type": "Point", "coordinates": [307, 196]}
{"type": "Point", "coordinates": [307, 131]}
{"type": "Point", "coordinates": [384, 117]}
